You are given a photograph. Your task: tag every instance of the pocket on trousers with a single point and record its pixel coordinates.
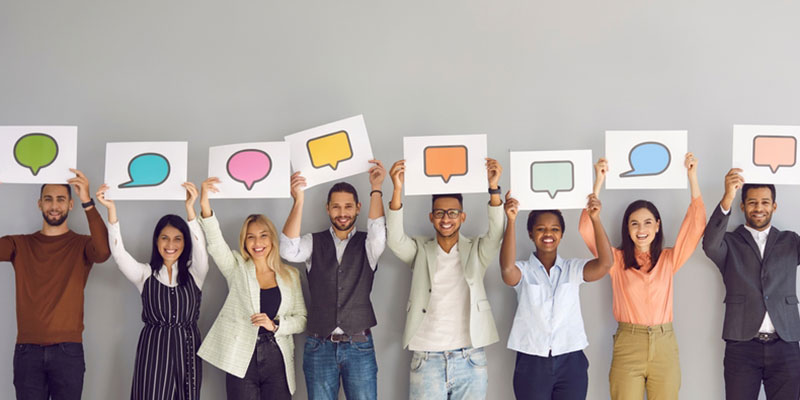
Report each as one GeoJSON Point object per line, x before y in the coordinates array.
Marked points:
{"type": "Point", "coordinates": [416, 361]}
{"type": "Point", "coordinates": [477, 358]}
{"type": "Point", "coordinates": [21, 349]}
{"type": "Point", "coordinates": [72, 349]}
{"type": "Point", "coordinates": [312, 344]}
{"type": "Point", "coordinates": [364, 346]}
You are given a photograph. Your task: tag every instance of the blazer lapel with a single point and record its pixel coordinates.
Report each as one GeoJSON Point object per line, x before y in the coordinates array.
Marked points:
{"type": "Point", "coordinates": [772, 237]}
{"type": "Point", "coordinates": [431, 250]}
{"type": "Point", "coordinates": [748, 238]}
{"type": "Point", "coordinates": [284, 296]}
{"type": "Point", "coordinates": [464, 247]}
{"type": "Point", "coordinates": [252, 285]}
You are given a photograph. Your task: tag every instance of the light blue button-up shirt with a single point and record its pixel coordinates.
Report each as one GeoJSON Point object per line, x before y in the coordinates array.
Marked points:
{"type": "Point", "coordinates": [548, 317]}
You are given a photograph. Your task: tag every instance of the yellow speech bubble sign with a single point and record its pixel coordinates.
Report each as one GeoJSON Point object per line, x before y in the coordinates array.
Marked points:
{"type": "Point", "coordinates": [330, 149]}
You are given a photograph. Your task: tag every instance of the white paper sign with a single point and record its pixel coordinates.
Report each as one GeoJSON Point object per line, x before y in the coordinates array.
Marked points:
{"type": "Point", "coordinates": [38, 154]}
{"type": "Point", "coordinates": [445, 164]}
{"type": "Point", "coordinates": [546, 180]}
{"type": "Point", "coordinates": [146, 170]}
{"type": "Point", "coordinates": [332, 151]}
{"type": "Point", "coordinates": [767, 153]}
{"type": "Point", "coordinates": [646, 159]}
{"type": "Point", "coordinates": [250, 170]}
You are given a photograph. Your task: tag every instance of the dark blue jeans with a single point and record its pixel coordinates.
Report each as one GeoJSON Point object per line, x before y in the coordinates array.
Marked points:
{"type": "Point", "coordinates": [266, 375]}
{"type": "Point", "coordinates": [563, 377]}
{"type": "Point", "coordinates": [44, 371]}
{"type": "Point", "coordinates": [324, 362]}
{"type": "Point", "coordinates": [749, 363]}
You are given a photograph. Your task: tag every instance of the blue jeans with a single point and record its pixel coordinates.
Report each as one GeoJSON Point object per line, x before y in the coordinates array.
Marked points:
{"type": "Point", "coordinates": [44, 371]}
{"type": "Point", "coordinates": [457, 375]}
{"type": "Point", "coordinates": [561, 377]}
{"type": "Point", "coordinates": [324, 362]}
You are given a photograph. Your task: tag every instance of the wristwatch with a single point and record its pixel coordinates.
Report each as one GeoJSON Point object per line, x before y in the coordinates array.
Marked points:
{"type": "Point", "coordinates": [88, 203]}
{"type": "Point", "coordinates": [495, 191]}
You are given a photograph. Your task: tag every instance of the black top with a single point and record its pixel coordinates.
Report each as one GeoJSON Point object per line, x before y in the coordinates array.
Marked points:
{"type": "Point", "coordinates": [270, 301]}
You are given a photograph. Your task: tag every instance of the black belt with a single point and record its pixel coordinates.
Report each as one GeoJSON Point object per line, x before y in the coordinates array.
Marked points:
{"type": "Point", "coordinates": [360, 337]}
{"type": "Point", "coordinates": [766, 337]}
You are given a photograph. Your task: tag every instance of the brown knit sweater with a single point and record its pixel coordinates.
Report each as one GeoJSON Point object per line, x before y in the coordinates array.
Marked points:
{"type": "Point", "coordinates": [51, 272]}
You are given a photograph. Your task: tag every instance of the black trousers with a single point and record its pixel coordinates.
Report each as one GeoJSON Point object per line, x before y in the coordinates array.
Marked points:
{"type": "Point", "coordinates": [265, 377]}
{"type": "Point", "coordinates": [563, 377]}
{"type": "Point", "coordinates": [44, 372]}
{"type": "Point", "coordinates": [748, 363]}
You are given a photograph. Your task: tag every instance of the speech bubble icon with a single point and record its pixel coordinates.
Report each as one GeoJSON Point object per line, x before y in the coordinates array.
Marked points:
{"type": "Point", "coordinates": [774, 151]}
{"type": "Point", "coordinates": [552, 177]}
{"type": "Point", "coordinates": [647, 159]}
{"type": "Point", "coordinates": [147, 169]}
{"type": "Point", "coordinates": [35, 151]}
{"type": "Point", "coordinates": [330, 149]}
{"type": "Point", "coordinates": [445, 161]}
{"type": "Point", "coordinates": [249, 166]}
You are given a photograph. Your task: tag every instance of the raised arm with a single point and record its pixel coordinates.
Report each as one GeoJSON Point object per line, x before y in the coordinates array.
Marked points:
{"type": "Point", "coordinates": [598, 267]}
{"type": "Point", "coordinates": [376, 176]}
{"type": "Point", "coordinates": [292, 226]}
{"type": "Point", "coordinates": [585, 225]}
{"type": "Point", "coordinates": [97, 250]}
{"type": "Point", "coordinates": [217, 248]}
{"type": "Point", "coordinates": [508, 251]}
{"type": "Point", "coordinates": [401, 244]}
{"type": "Point", "coordinates": [713, 238]}
{"type": "Point", "coordinates": [694, 223]}
{"type": "Point", "coordinates": [136, 272]}
{"type": "Point", "coordinates": [489, 244]}
{"type": "Point", "coordinates": [199, 253]}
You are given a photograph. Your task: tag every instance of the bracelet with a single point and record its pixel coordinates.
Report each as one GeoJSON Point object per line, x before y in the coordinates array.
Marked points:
{"type": "Point", "coordinates": [373, 192]}
{"type": "Point", "coordinates": [88, 203]}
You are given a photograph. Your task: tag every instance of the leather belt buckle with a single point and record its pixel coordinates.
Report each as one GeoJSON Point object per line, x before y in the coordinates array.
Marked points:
{"type": "Point", "coordinates": [766, 337]}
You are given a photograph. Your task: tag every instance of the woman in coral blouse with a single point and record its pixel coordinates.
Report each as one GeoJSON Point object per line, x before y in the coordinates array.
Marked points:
{"type": "Point", "coordinates": [645, 354]}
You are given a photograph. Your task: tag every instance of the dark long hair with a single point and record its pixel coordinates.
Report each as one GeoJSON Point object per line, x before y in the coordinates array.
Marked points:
{"type": "Point", "coordinates": [185, 259]}
{"type": "Point", "coordinates": [628, 248]}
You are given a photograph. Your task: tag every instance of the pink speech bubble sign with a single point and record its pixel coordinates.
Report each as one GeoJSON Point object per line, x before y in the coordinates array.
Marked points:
{"type": "Point", "coordinates": [774, 151]}
{"type": "Point", "coordinates": [249, 166]}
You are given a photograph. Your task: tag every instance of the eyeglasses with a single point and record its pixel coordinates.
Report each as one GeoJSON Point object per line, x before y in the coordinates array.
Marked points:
{"type": "Point", "coordinates": [452, 213]}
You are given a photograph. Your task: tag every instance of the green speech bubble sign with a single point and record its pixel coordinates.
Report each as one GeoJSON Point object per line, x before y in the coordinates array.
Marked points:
{"type": "Point", "coordinates": [35, 151]}
{"type": "Point", "coordinates": [552, 177]}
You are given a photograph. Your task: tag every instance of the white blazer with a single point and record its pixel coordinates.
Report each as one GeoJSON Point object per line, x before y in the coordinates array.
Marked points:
{"type": "Point", "coordinates": [231, 340]}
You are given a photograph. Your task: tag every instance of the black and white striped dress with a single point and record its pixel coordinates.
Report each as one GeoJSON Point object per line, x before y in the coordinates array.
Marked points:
{"type": "Point", "coordinates": [167, 366]}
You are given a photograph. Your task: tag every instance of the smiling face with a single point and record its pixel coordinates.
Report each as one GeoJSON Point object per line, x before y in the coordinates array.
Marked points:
{"type": "Point", "coordinates": [257, 241]}
{"type": "Point", "coordinates": [343, 210]}
{"type": "Point", "coordinates": [546, 233]}
{"type": "Point", "coordinates": [642, 227]}
{"type": "Point", "coordinates": [758, 207]}
{"type": "Point", "coordinates": [55, 204]}
{"type": "Point", "coordinates": [170, 244]}
{"type": "Point", "coordinates": [445, 225]}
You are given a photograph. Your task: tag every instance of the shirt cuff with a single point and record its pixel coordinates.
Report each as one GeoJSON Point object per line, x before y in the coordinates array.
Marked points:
{"type": "Point", "coordinates": [724, 212]}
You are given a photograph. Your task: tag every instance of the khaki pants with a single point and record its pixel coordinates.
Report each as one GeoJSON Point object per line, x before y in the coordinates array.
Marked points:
{"type": "Point", "coordinates": [645, 357]}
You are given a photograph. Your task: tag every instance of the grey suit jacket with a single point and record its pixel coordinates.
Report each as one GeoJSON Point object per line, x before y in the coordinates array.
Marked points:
{"type": "Point", "coordinates": [476, 255]}
{"type": "Point", "coordinates": [755, 285]}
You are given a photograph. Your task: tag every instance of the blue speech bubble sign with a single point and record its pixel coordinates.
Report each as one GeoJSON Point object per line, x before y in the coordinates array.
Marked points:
{"type": "Point", "coordinates": [147, 169]}
{"type": "Point", "coordinates": [552, 177]}
{"type": "Point", "coordinates": [648, 159]}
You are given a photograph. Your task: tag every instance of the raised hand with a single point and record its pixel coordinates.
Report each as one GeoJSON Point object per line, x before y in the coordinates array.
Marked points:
{"type": "Point", "coordinates": [690, 162]}
{"type": "Point", "coordinates": [493, 172]}
{"type": "Point", "coordinates": [81, 185]}
{"type": "Point", "coordinates": [191, 197]}
{"type": "Point", "coordinates": [511, 207]}
{"type": "Point", "coordinates": [108, 204]}
{"type": "Point", "coordinates": [376, 174]}
{"type": "Point", "coordinates": [298, 183]}
{"type": "Point", "coordinates": [208, 186]}
{"type": "Point", "coordinates": [398, 174]}
{"type": "Point", "coordinates": [593, 207]}
{"type": "Point", "coordinates": [733, 182]}
{"type": "Point", "coordinates": [600, 171]}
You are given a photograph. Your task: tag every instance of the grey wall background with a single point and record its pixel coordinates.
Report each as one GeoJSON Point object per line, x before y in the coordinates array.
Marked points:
{"type": "Point", "coordinates": [531, 74]}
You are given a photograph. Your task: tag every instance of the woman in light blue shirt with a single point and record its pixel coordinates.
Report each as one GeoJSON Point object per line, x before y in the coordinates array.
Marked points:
{"type": "Point", "coordinates": [547, 332]}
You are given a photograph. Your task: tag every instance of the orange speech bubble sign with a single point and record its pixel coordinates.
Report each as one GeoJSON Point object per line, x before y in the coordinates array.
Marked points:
{"type": "Point", "coordinates": [774, 151]}
{"type": "Point", "coordinates": [446, 161]}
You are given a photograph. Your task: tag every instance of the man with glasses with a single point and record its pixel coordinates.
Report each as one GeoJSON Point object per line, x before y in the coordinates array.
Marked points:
{"type": "Point", "coordinates": [448, 320]}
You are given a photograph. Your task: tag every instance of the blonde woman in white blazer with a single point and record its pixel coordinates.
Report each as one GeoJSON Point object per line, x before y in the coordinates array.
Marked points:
{"type": "Point", "coordinates": [251, 339]}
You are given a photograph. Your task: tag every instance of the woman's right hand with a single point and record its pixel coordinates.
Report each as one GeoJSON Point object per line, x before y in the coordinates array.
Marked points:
{"type": "Point", "coordinates": [108, 204]}
{"type": "Point", "coordinates": [511, 207]}
{"type": "Point", "coordinates": [208, 185]}
{"type": "Point", "coordinates": [600, 171]}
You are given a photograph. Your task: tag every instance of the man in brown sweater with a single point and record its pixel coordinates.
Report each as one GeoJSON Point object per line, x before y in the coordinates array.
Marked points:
{"type": "Point", "coordinates": [51, 267]}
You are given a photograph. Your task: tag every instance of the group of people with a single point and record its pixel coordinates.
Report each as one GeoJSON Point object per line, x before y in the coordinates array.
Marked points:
{"type": "Point", "coordinates": [449, 318]}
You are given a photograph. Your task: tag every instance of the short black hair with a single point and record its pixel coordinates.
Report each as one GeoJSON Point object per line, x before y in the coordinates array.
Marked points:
{"type": "Point", "coordinates": [533, 215]}
{"type": "Point", "coordinates": [69, 190]}
{"type": "Point", "coordinates": [748, 186]}
{"type": "Point", "coordinates": [343, 187]}
{"type": "Point", "coordinates": [456, 196]}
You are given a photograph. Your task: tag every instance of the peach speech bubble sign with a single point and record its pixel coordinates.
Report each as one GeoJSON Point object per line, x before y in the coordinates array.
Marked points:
{"type": "Point", "coordinates": [445, 161]}
{"type": "Point", "coordinates": [330, 149]}
{"type": "Point", "coordinates": [774, 151]}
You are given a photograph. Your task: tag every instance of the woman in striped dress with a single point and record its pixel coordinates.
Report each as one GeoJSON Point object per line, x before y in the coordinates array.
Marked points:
{"type": "Point", "coordinates": [167, 366]}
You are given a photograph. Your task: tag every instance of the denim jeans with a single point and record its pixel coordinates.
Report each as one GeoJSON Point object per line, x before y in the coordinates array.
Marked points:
{"type": "Point", "coordinates": [44, 371]}
{"type": "Point", "coordinates": [265, 377]}
{"type": "Point", "coordinates": [324, 362]}
{"type": "Point", "coordinates": [561, 377]}
{"type": "Point", "coordinates": [456, 375]}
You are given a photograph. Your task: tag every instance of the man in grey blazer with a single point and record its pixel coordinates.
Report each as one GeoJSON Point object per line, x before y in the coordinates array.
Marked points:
{"type": "Point", "coordinates": [758, 263]}
{"type": "Point", "coordinates": [449, 319]}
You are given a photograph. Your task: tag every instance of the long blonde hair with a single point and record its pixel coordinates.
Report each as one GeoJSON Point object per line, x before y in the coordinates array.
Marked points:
{"type": "Point", "coordinates": [274, 257]}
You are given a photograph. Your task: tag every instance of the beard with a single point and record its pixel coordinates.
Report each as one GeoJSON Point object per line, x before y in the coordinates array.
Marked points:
{"type": "Point", "coordinates": [343, 228]}
{"type": "Point", "coordinates": [57, 222]}
{"type": "Point", "coordinates": [753, 224]}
